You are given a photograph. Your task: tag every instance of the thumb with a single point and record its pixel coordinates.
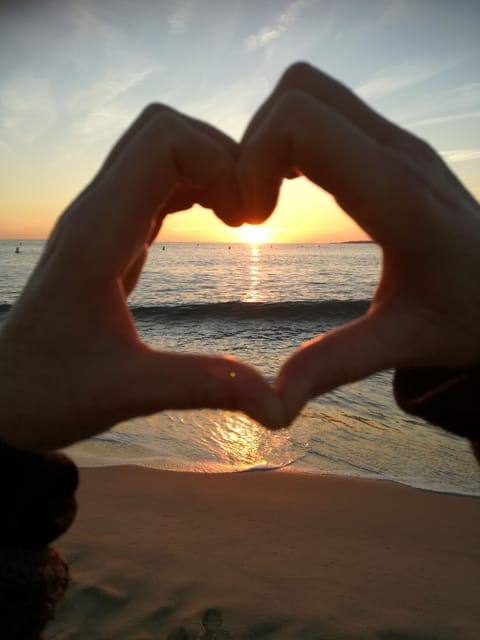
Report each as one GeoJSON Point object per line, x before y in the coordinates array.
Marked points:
{"type": "Point", "coordinates": [339, 357]}
{"type": "Point", "coordinates": [162, 380]}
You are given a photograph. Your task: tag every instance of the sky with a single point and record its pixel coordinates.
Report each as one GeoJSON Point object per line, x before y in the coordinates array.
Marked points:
{"type": "Point", "coordinates": [75, 74]}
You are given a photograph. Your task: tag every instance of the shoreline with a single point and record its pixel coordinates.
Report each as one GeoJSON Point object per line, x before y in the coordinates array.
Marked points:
{"type": "Point", "coordinates": [287, 469]}
{"type": "Point", "coordinates": [280, 555]}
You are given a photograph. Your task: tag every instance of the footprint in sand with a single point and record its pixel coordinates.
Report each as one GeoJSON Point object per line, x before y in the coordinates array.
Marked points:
{"type": "Point", "coordinates": [212, 625]}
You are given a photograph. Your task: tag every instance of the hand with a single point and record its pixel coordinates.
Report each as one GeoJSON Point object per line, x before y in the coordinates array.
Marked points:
{"type": "Point", "coordinates": [426, 309]}
{"type": "Point", "coordinates": [71, 362]}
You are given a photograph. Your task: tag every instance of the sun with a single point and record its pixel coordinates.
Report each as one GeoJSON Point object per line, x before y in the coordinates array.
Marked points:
{"type": "Point", "coordinates": [254, 234]}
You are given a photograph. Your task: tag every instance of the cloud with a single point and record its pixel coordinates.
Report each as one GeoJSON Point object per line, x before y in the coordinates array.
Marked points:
{"type": "Point", "coordinates": [280, 25]}
{"type": "Point", "coordinates": [439, 119]}
{"type": "Point", "coordinates": [401, 76]}
{"type": "Point", "coordinates": [230, 107]}
{"type": "Point", "coordinates": [461, 155]}
{"type": "Point", "coordinates": [99, 110]}
{"type": "Point", "coordinates": [466, 89]}
{"type": "Point", "coordinates": [85, 23]}
{"type": "Point", "coordinates": [180, 17]}
{"type": "Point", "coordinates": [466, 97]}
{"type": "Point", "coordinates": [109, 88]}
{"type": "Point", "coordinates": [27, 107]}
{"type": "Point", "coordinates": [103, 123]}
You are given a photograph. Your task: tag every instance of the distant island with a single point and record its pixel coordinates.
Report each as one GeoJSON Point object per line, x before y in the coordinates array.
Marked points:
{"type": "Point", "coordinates": [353, 242]}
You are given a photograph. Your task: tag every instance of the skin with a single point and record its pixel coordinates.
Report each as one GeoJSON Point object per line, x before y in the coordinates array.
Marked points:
{"type": "Point", "coordinates": [71, 362]}
{"type": "Point", "coordinates": [426, 309]}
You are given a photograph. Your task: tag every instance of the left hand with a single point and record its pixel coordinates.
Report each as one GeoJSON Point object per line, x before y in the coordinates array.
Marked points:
{"type": "Point", "coordinates": [426, 309]}
{"type": "Point", "coordinates": [71, 362]}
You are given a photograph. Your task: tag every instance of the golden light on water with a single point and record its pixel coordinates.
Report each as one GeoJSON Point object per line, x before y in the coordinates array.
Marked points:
{"type": "Point", "coordinates": [254, 234]}
{"type": "Point", "coordinates": [241, 440]}
{"type": "Point", "coordinates": [253, 293]}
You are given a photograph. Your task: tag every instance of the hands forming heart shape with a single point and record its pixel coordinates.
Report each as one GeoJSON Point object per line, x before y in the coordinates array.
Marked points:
{"type": "Point", "coordinates": [75, 366]}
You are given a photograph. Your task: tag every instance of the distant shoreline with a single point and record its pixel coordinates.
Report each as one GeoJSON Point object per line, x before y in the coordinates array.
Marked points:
{"type": "Point", "coordinates": [353, 242]}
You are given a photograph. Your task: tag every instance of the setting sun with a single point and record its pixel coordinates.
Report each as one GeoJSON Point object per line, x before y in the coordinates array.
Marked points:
{"type": "Point", "coordinates": [254, 234]}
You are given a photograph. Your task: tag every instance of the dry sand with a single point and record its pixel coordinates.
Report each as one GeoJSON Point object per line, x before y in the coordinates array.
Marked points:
{"type": "Point", "coordinates": [280, 555]}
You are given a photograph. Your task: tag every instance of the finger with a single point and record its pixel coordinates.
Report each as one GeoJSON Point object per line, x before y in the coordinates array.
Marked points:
{"type": "Point", "coordinates": [304, 77]}
{"type": "Point", "coordinates": [157, 381]}
{"type": "Point", "coordinates": [145, 118]}
{"type": "Point", "coordinates": [198, 163]}
{"type": "Point", "coordinates": [182, 199]}
{"type": "Point", "coordinates": [186, 195]}
{"type": "Point", "coordinates": [132, 275]}
{"type": "Point", "coordinates": [116, 217]}
{"type": "Point", "coordinates": [339, 357]}
{"type": "Point", "coordinates": [364, 176]}
{"type": "Point", "coordinates": [310, 136]}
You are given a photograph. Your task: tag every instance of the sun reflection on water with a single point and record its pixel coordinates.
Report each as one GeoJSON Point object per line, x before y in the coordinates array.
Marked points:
{"type": "Point", "coordinates": [241, 440]}
{"type": "Point", "coordinates": [253, 293]}
{"type": "Point", "coordinates": [240, 443]}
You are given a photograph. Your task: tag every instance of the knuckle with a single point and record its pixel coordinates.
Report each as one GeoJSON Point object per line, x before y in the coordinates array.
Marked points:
{"type": "Point", "coordinates": [164, 120]}
{"type": "Point", "coordinates": [296, 75]}
{"type": "Point", "coordinates": [290, 99]}
{"type": "Point", "coordinates": [287, 110]}
{"type": "Point", "coordinates": [152, 110]}
{"type": "Point", "coordinates": [414, 147]}
{"type": "Point", "coordinates": [168, 119]}
{"type": "Point", "coordinates": [426, 151]}
{"type": "Point", "coordinates": [168, 129]}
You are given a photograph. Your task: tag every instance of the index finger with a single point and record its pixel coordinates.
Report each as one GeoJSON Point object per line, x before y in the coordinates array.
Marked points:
{"type": "Point", "coordinates": [147, 115]}
{"type": "Point", "coordinates": [303, 133]}
{"type": "Point", "coordinates": [382, 188]}
{"type": "Point", "coordinates": [114, 218]}
{"type": "Point", "coordinates": [302, 76]}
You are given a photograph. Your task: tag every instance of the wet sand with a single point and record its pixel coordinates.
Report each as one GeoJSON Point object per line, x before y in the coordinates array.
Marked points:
{"type": "Point", "coordinates": [279, 555]}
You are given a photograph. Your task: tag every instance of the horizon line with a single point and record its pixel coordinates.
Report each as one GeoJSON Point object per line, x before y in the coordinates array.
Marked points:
{"type": "Point", "coordinates": [26, 239]}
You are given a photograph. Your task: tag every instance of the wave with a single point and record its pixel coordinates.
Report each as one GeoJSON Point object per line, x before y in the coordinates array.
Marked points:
{"type": "Point", "coordinates": [4, 309]}
{"type": "Point", "coordinates": [308, 310]}
{"type": "Point", "coordinates": [236, 310]}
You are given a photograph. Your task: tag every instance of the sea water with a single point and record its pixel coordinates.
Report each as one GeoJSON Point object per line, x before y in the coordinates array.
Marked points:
{"type": "Point", "coordinates": [259, 303]}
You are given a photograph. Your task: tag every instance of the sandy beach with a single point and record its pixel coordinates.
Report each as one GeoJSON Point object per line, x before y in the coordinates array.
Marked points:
{"type": "Point", "coordinates": [279, 555]}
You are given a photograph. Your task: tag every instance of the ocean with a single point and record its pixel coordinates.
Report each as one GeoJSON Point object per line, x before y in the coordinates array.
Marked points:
{"type": "Point", "coordinates": [260, 302]}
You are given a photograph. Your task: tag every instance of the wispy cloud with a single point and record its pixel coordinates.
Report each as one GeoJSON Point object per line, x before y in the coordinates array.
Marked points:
{"type": "Point", "coordinates": [231, 107]}
{"type": "Point", "coordinates": [439, 119]}
{"type": "Point", "coordinates": [180, 17]}
{"type": "Point", "coordinates": [466, 89]}
{"type": "Point", "coordinates": [460, 155]}
{"type": "Point", "coordinates": [103, 123]}
{"type": "Point", "coordinates": [463, 98]}
{"type": "Point", "coordinates": [27, 107]}
{"type": "Point", "coordinates": [401, 76]}
{"type": "Point", "coordinates": [280, 25]}
{"type": "Point", "coordinates": [109, 88]}
{"type": "Point", "coordinates": [98, 110]}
